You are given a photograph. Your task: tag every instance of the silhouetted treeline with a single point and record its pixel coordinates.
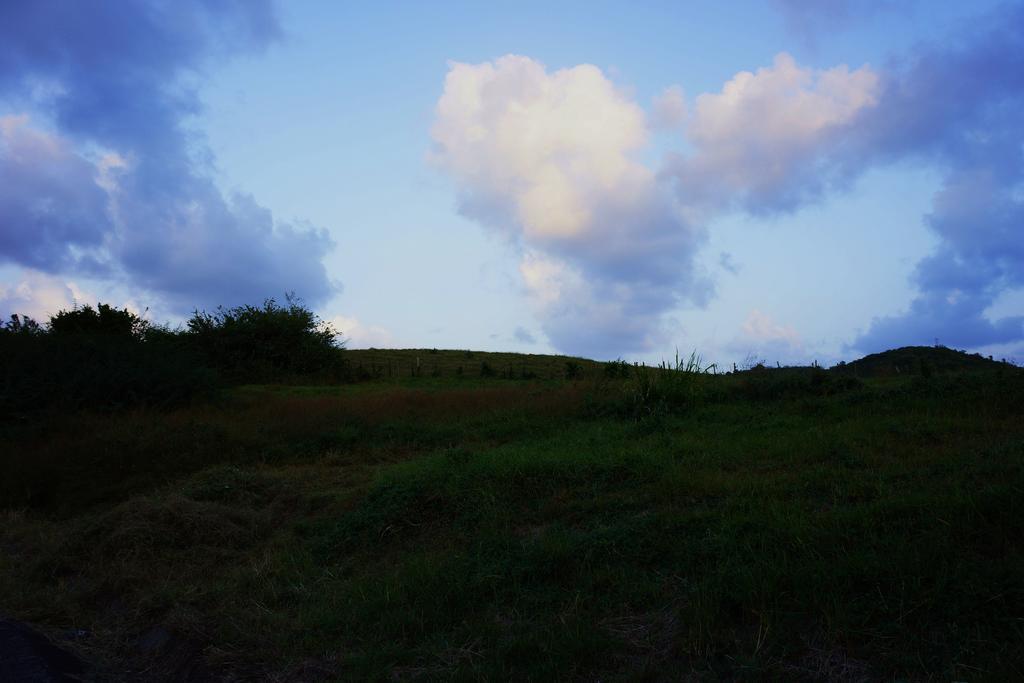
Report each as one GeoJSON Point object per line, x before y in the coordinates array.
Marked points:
{"type": "Point", "coordinates": [105, 357]}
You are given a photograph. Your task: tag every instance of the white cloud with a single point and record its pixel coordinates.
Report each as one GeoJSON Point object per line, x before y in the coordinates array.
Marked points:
{"type": "Point", "coordinates": [39, 296]}
{"type": "Point", "coordinates": [763, 138]}
{"type": "Point", "coordinates": [546, 158]}
{"type": "Point", "coordinates": [543, 145]}
{"type": "Point", "coordinates": [359, 335]}
{"type": "Point", "coordinates": [761, 336]}
{"type": "Point", "coordinates": [669, 110]}
{"type": "Point", "coordinates": [551, 159]}
{"type": "Point", "coordinates": [548, 280]}
{"type": "Point", "coordinates": [761, 327]}
{"type": "Point", "coordinates": [594, 317]}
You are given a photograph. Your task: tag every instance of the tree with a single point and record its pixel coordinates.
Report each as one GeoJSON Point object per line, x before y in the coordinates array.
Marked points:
{"type": "Point", "coordinates": [102, 320]}
{"type": "Point", "coordinates": [22, 326]}
{"type": "Point", "coordinates": [253, 342]}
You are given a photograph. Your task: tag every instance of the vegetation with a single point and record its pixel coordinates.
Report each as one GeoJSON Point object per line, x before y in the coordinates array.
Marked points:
{"type": "Point", "coordinates": [396, 364]}
{"type": "Point", "coordinates": [628, 523]}
{"type": "Point", "coordinates": [101, 358]}
{"type": "Point", "coordinates": [109, 358]}
{"type": "Point", "coordinates": [917, 360]}
{"type": "Point", "coordinates": [250, 343]}
{"type": "Point", "coordinates": [103, 321]}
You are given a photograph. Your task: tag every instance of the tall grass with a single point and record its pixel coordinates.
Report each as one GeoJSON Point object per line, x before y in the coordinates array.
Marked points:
{"type": "Point", "coordinates": [644, 392]}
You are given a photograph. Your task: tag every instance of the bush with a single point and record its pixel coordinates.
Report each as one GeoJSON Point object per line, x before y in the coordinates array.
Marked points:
{"type": "Point", "coordinates": [21, 325]}
{"type": "Point", "coordinates": [770, 384]}
{"type": "Point", "coordinates": [653, 392]}
{"type": "Point", "coordinates": [95, 358]}
{"type": "Point", "coordinates": [573, 370]}
{"type": "Point", "coordinates": [617, 369]}
{"type": "Point", "coordinates": [252, 343]}
{"type": "Point", "coordinates": [103, 320]}
{"type": "Point", "coordinates": [105, 357]}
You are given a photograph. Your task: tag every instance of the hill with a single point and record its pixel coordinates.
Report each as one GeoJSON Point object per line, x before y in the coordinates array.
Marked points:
{"type": "Point", "coordinates": [917, 360]}
{"type": "Point", "coordinates": [779, 524]}
{"type": "Point", "coordinates": [397, 363]}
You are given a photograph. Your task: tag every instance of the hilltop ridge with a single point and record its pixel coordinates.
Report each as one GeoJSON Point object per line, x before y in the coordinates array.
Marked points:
{"type": "Point", "coordinates": [395, 363]}
{"type": "Point", "coordinates": [920, 359]}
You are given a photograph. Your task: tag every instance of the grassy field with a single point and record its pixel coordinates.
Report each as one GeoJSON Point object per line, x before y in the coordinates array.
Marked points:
{"type": "Point", "coordinates": [626, 524]}
{"type": "Point", "coordinates": [399, 363]}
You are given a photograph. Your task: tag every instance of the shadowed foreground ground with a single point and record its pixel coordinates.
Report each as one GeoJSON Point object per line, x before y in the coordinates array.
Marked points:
{"type": "Point", "coordinates": [798, 525]}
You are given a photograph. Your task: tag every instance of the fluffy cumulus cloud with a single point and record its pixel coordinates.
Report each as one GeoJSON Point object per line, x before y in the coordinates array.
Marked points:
{"type": "Point", "coordinates": [99, 173]}
{"type": "Point", "coordinates": [550, 159]}
{"type": "Point", "coordinates": [669, 110]}
{"type": "Point", "coordinates": [547, 158]}
{"type": "Point", "coordinates": [766, 141]}
{"type": "Point", "coordinates": [775, 139]}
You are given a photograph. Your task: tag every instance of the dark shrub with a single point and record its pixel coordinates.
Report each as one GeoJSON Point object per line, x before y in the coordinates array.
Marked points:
{"type": "Point", "coordinates": [573, 370]}
{"type": "Point", "coordinates": [769, 384]}
{"type": "Point", "coordinates": [95, 358]}
{"type": "Point", "coordinates": [21, 325]}
{"type": "Point", "coordinates": [257, 343]}
{"type": "Point", "coordinates": [102, 320]}
{"type": "Point", "coordinates": [617, 369]}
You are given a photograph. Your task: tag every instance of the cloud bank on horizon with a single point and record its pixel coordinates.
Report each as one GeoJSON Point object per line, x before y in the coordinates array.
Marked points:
{"type": "Point", "coordinates": [100, 175]}
{"type": "Point", "coordinates": [608, 243]}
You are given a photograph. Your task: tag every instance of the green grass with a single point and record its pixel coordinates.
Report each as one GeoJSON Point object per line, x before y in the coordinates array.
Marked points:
{"type": "Point", "coordinates": [785, 525]}
{"type": "Point", "coordinates": [395, 364]}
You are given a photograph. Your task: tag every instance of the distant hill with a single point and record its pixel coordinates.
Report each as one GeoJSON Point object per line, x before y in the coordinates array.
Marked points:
{"type": "Point", "coordinates": [396, 363]}
{"type": "Point", "coordinates": [919, 360]}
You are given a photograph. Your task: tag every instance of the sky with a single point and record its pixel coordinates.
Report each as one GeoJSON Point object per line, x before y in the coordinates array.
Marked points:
{"type": "Point", "coordinates": [776, 180]}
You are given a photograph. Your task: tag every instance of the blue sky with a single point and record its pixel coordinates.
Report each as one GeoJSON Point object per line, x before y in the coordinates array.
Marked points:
{"type": "Point", "coordinates": [785, 179]}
